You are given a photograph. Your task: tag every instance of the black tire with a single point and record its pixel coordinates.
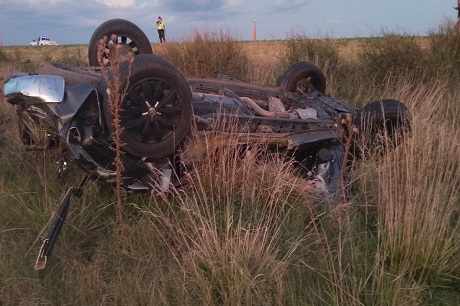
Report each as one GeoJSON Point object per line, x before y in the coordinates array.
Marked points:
{"type": "Point", "coordinates": [301, 76]}
{"type": "Point", "coordinates": [71, 74]}
{"type": "Point", "coordinates": [381, 126]}
{"type": "Point", "coordinates": [129, 35]}
{"type": "Point", "coordinates": [155, 131]}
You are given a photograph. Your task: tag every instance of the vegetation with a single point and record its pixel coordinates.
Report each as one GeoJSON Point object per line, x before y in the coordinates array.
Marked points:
{"type": "Point", "coordinates": [245, 231]}
{"type": "Point", "coordinates": [208, 53]}
{"type": "Point", "coordinates": [3, 57]}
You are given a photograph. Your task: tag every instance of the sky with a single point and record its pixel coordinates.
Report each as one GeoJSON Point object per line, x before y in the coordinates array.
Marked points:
{"type": "Point", "coordinates": [74, 21]}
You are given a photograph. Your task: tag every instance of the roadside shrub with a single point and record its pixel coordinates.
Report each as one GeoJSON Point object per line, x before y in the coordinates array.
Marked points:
{"type": "Point", "coordinates": [394, 56]}
{"type": "Point", "coordinates": [263, 71]}
{"type": "Point", "coordinates": [344, 76]}
{"type": "Point", "coordinates": [323, 52]}
{"type": "Point", "coordinates": [3, 57]}
{"type": "Point", "coordinates": [445, 50]}
{"type": "Point", "coordinates": [207, 53]}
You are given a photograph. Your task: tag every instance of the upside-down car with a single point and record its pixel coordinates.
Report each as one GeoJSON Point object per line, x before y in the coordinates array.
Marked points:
{"type": "Point", "coordinates": [160, 107]}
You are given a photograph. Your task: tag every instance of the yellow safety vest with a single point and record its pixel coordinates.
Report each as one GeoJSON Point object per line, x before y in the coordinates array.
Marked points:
{"type": "Point", "coordinates": [161, 25]}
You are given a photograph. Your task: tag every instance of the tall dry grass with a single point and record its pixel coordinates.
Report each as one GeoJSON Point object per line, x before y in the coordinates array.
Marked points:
{"type": "Point", "coordinates": [394, 56]}
{"type": "Point", "coordinates": [445, 50]}
{"type": "Point", "coordinates": [227, 230]}
{"type": "Point", "coordinates": [206, 53]}
{"type": "Point", "coordinates": [116, 91]}
{"type": "Point", "coordinates": [323, 52]}
{"type": "Point", "coordinates": [415, 191]}
{"type": "Point", "coordinates": [244, 230]}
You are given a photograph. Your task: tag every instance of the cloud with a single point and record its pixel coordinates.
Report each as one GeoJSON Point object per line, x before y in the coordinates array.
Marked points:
{"type": "Point", "coordinates": [35, 3]}
{"type": "Point", "coordinates": [281, 6]}
{"type": "Point", "coordinates": [234, 2]}
{"type": "Point", "coordinates": [117, 3]}
{"type": "Point", "coordinates": [333, 21]}
{"type": "Point", "coordinates": [195, 5]}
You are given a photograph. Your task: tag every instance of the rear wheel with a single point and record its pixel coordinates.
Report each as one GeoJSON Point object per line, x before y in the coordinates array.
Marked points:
{"type": "Point", "coordinates": [302, 77]}
{"type": "Point", "coordinates": [156, 112]}
{"type": "Point", "coordinates": [117, 32]}
{"type": "Point", "coordinates": [382, 124]}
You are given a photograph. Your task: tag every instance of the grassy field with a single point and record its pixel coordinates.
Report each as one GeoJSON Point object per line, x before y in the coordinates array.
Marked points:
{"type": "Point", "coordinates": [245, 232]}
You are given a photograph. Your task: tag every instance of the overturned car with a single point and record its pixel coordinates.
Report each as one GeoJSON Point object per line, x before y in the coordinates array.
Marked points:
{"type": "Point", "coordinates": [165, 117]}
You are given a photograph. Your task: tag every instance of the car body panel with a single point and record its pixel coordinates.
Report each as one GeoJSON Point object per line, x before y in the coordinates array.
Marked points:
{"type": "Point", "coordinates": [36, 88]}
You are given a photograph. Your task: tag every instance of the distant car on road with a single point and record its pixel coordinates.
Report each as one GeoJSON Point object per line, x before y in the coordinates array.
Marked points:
{"type": "Point", "coordinates": [42, 41]}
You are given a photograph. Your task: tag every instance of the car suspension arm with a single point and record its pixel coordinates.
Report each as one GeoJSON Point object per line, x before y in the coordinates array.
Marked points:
{"type": "Point", "coordinates": [56, 224]}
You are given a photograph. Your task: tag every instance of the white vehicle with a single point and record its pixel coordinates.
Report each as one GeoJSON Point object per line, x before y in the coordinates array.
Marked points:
{"type": "Point", "coordinates": [42, 41]}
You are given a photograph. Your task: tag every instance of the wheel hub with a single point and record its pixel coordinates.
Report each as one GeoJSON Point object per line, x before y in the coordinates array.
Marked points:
{"type": "Point", "coordinates": [152, 111]}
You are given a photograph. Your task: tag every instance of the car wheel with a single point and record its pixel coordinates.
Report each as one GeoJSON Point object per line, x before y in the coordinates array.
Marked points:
{"type": "Point", "coordinates": [117, 32]}
{"type": "Point", "coordinates": [71, 74]}
{"type": "Point", "coordinates": [301, 77]}
{"type": "Point", "coordinates": [337, 174]}
{"type": "Point", "coordinates": [381, 124]}
{"type": "Point", "coordinates": [156, 111]}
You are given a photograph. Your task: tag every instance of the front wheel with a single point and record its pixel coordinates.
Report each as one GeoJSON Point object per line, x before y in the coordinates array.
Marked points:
{"type": "Point", "coordinates": [156, 112]}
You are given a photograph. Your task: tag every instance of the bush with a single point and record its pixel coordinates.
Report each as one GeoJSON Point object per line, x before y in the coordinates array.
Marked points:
{"type": "Point", "coordinates": [341, 74]}
{"type": "Point", "coordinates": [207, 53]}
{"type": "Point", "coordinates": [324, 53]}
{"type": "Point", "coordinates": [445, 50]}
{"type": "Point", "coordinates": [3, 57]}
{"type": "Point", "coordinates": [394, 56]}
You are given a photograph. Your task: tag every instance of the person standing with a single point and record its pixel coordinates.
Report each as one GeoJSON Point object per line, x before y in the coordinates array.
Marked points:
{"type": "Point", "coordinates": [458, 8]}
{"type": "Point", "coordinates": [161, 29]}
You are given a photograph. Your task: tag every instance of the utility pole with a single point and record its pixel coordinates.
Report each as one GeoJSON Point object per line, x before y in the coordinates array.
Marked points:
{"type": "Point", "coordinates": [255, 28]}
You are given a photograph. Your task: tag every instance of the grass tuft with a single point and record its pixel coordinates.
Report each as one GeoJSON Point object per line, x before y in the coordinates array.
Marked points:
{"type": "Point", "coordinates": [206, 53]}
